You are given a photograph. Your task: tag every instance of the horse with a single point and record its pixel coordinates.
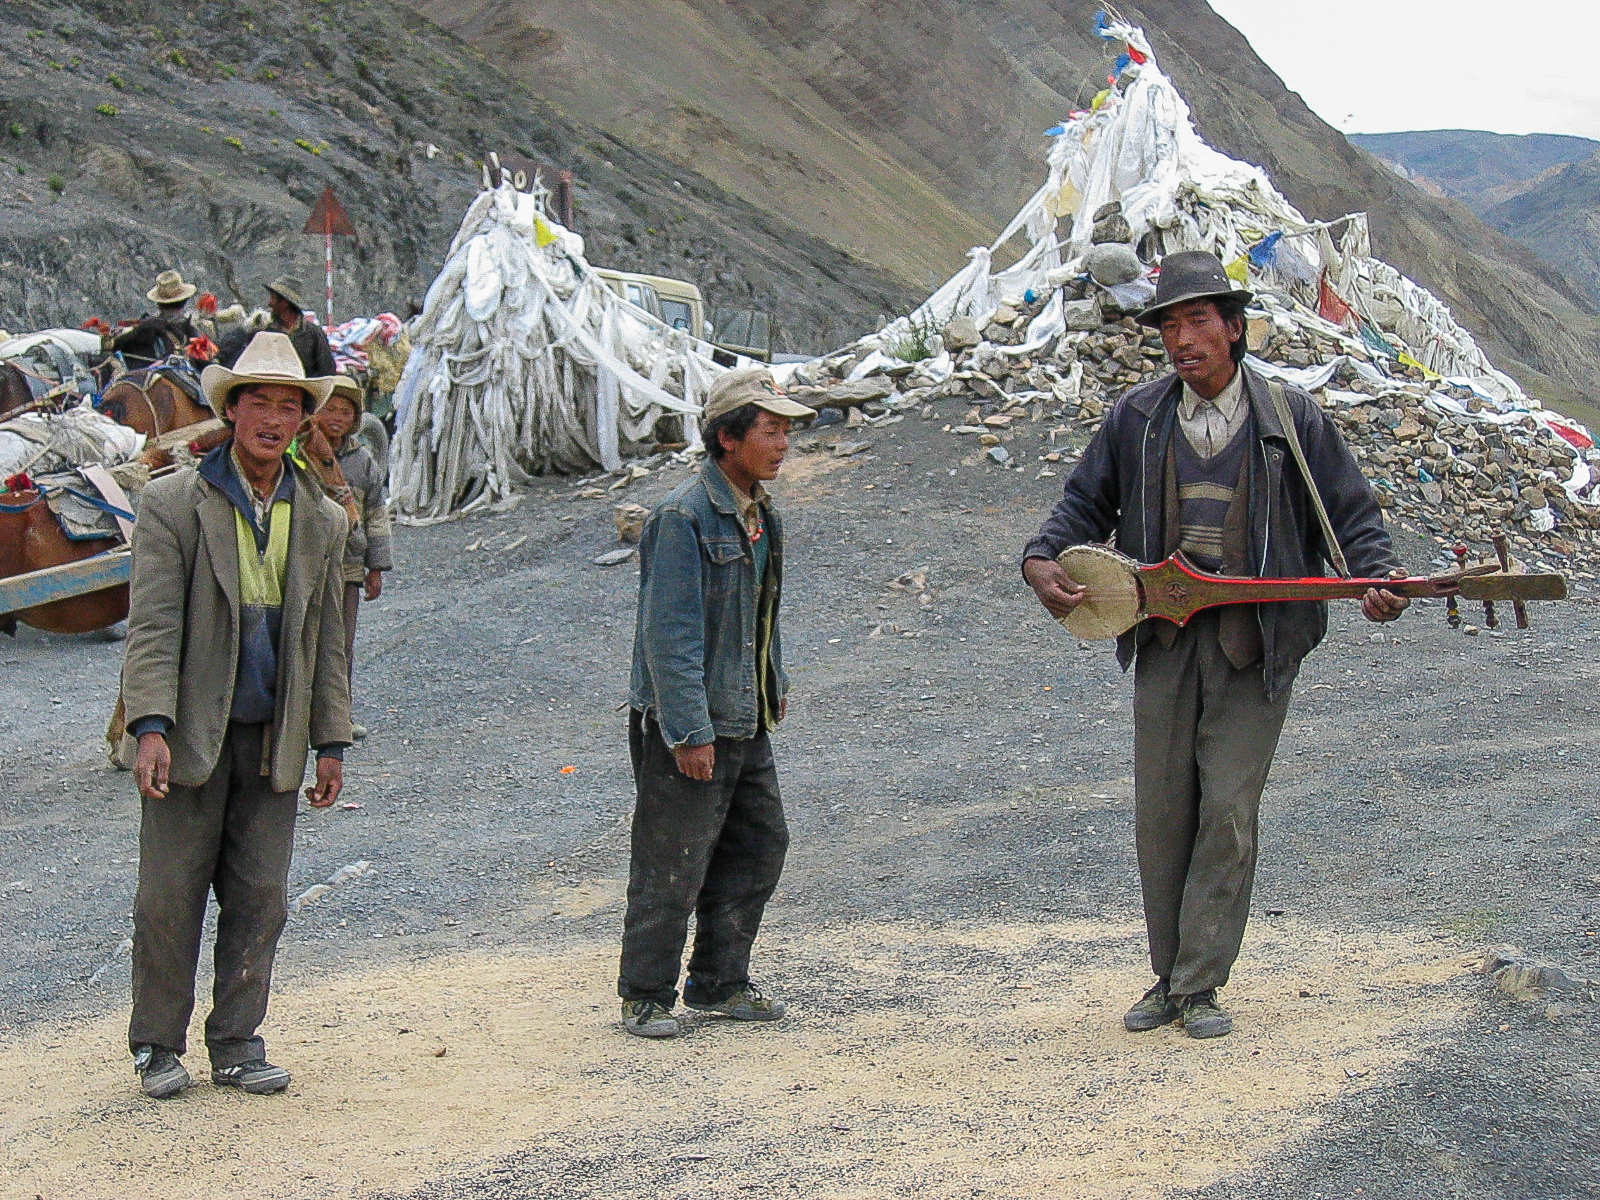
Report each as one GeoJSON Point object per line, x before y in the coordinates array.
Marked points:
{"type": "Point", "coordinates": [31, 538]}
{"type": "Point", "coordinates": [16, 397]}
{"type": "Point", "coordinates": [152, 402]}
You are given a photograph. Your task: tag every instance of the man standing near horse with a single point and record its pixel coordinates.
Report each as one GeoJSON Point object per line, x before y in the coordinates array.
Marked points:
{"type": "Point", "coordinates": [235, 666]}
{"type": "Point", "coordinates": [1196, 461]}
{"type": "Point", "coordinates": [288, 317]}
{"type": "Point", "coordinates": [708, 686]}
{"type": "Point", "coordinates": [367, 553]}
{"type": "Point", "coordinates": [154, 337]}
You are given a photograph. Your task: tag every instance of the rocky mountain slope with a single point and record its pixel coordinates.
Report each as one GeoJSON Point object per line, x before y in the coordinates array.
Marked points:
{"type": "Point", "coordinates": [905, 128]}
{"type": "Point", "coordinates": [1557, 214]}
{"type": "Point", "coordinates": [198, 136]}
{"type": "Point", "coordinates": [827, 161]}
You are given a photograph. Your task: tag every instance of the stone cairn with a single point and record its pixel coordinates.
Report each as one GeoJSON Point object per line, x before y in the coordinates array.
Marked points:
{"type": "Point", "coordinates": [1437, 472]}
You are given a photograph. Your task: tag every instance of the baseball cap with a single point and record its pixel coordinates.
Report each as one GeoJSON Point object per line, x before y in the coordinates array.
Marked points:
{"type": "Point", "coordinates": [751, 385]}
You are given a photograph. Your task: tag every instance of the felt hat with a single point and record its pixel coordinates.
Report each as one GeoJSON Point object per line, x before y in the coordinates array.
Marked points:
{"type": "Point", "coordinates": [348, 388]}
{"type": "Point", "coordinates": [269, 358]}
{"type": "Point", "coordinates": [751, 385]}
{"type": "Point", "coordinates": [1190, 275]}
{"type": "Point", "coordinates": [290, 289]}
{"type": "Point", "coordinates": [170, 289]}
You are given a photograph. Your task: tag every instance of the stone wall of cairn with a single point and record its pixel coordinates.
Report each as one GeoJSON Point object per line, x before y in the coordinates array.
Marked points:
{"type": "Point", "coordinates": [1443, 475]}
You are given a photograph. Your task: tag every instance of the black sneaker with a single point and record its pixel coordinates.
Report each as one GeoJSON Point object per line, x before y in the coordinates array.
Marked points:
{"type": "Point", "coordinates": [258, 1077]}
{"type": "Point", "coordinates": [160, 1073]}
{"type": "Point", "coordinates": [1202, 1016]}
{"type": "Point", "coordinates": [1156, 1009]}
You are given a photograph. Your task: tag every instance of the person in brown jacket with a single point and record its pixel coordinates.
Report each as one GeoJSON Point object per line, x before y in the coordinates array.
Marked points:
{"type": "Point", "coordinates": [367, 553]}
{"type": "Point", "coordinates": [235, 666]}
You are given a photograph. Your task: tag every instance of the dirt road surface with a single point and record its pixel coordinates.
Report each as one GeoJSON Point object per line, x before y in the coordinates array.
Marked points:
{"type": "Point", "coordinates": [957, 934]}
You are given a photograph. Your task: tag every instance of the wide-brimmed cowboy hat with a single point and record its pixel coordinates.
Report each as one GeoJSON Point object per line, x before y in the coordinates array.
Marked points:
{"type": "Point", "coordinates": [170, 289]}
{"type": "Point", "coordinates": [1191, 275]}
{"type": "Point", "coordinates": [290, 289]}
{"type": "Point", "coordinates": [269, 358]}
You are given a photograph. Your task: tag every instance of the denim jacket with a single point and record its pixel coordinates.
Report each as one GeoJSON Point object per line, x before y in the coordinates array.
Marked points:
{"type": "Point", "coordinates": [694, 647]}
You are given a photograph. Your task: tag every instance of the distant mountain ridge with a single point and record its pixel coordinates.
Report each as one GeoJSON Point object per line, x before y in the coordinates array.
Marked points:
{"type": "Point", "coordinates": [1543, 189]}
{"type": "Point", "coordinates": [1470, 163]}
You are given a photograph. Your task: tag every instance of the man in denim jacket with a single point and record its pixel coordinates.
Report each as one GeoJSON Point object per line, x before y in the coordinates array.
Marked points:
{"type": "Point", "coordinates": [708, 685]}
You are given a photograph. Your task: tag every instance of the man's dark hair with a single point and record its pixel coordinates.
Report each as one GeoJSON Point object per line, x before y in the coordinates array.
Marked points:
{"type": "Point", "coordinates": [1228, 308]}
{"type": "Point", "coordinates": [736, 424]}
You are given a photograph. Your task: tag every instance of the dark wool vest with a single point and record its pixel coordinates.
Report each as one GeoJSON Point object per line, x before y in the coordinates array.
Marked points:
{"type": "Point", "coordinates": [1206, 514]}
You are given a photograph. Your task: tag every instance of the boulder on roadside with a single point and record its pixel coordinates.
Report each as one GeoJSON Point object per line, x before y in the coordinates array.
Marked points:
{"type": "Point", "coordinates": [630, 519]}
{"type": "Point", "coordinates": [858, 392]}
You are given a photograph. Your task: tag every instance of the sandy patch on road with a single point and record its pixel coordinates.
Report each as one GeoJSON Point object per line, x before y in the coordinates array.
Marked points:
{"type": "Point", "coordinates": [966, 1056]}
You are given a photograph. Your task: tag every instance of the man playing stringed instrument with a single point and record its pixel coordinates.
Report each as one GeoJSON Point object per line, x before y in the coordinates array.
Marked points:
{"type": "Point", "coordinates": [1243, 476]}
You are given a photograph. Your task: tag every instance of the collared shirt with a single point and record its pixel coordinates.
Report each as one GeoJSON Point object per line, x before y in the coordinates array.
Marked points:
{"type": "Point", "coordinates": [1211, 424]}
{"type": "Point", "coordinates": [761, 551]}
{"type": "Point", "coordinates": [750, 506]}
{"type": "Point", "coordinates": [261, 504]}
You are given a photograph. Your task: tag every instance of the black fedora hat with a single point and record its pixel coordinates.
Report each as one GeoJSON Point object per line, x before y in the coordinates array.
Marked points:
{"type": "Point", "coordinates": [1190, 275]}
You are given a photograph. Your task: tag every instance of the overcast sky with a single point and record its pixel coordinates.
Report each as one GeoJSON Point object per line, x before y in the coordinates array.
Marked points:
{"type": "Point", "coordinates": [1379, 66]}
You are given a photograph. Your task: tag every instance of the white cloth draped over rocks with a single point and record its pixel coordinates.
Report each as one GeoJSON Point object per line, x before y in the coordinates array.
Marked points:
{"type": "Point", "coordinates": [524, 363]}
{"type": "Point", "coordinates": [1137, 146]}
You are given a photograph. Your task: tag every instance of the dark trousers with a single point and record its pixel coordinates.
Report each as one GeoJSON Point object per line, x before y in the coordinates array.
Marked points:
{"type": "Point", "coordinates": [352, 606]}
{"type": "Point", "coordinates": [711, 849]}
{"type": "Point", "coordinates": [1204, 734]}
{"type": "Point", "coordinates": [232, 835]}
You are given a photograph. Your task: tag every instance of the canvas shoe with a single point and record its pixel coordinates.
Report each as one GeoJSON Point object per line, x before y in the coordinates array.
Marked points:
{"type": "Point", "coordinates": [1202, 1016]}
{"type": "Point", "coordinates": [1158, 1008]}
{"type": "Point", "coordinates": [160, 1073]}
{"type": "Point", "coordinates": [648, 1018]}
{"type": "Point", "coordinates": [258, 1077]}
{"type": "Point", "coordinates": [747, 1004]}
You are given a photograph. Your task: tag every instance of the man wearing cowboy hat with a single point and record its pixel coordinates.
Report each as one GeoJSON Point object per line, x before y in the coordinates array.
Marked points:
{"type": "Point", "coordinates": [235, 666]}
{"type": "Point", "coordinates": [155, 336]}
{"type": "Point", "coordinates": [708, 685]}
{"type": "Point", "coordinates": [1207, 461]}
{"type": "Point", "coordinates": [288, 316]}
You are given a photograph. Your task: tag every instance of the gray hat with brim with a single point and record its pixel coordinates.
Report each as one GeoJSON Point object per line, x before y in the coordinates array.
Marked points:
{"type": "Point", "coordinates": [290, 289]}
{"type": "Point", "coordinates": [751, 385]}
{"type": "Point", "coordinates": [1191, 275]}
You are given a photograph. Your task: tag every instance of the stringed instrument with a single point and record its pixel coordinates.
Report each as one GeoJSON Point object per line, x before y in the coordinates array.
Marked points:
{"type": "Point", "coordinates": [1122, 592]}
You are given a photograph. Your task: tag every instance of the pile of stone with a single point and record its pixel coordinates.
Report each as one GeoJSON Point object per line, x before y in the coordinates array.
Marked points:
{"type": "Point", "coordinates": [1443, 461]}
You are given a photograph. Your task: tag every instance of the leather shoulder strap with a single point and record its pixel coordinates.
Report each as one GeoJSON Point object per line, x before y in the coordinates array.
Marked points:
{"type": "Point", "coordinates": [1280, 402]}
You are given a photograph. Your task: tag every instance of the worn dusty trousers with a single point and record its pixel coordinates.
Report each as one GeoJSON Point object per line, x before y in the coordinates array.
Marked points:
{"type": "Point", "coordinates": [233, 835]}
{"type": "Point", "coordinates": [713, 850]}
{"type": "Point", "coordinates": [1204, 734]}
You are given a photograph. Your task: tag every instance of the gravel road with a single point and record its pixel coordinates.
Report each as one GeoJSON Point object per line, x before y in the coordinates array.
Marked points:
{"type": "Point", "coordinates": [957, 934]}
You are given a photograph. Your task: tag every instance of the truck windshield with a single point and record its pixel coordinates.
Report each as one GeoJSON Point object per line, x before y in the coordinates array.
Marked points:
{"type": "Point", "coordinates": [676, 313]}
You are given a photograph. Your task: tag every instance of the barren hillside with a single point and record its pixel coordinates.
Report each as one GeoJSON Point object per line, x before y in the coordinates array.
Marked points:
{"type": "Point", "coordinates": [906, 129]}
{"type": "Point", "coordinates": [199, 135]}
